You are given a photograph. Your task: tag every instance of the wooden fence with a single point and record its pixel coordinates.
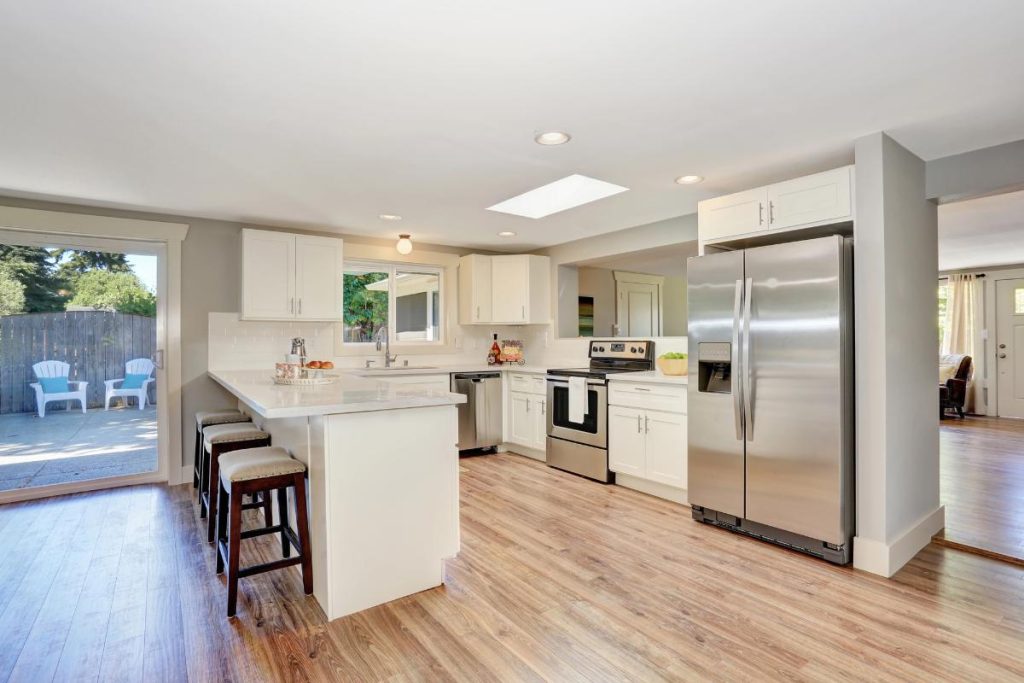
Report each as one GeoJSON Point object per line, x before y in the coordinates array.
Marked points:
{"type": "Point", "coordinates": [96, 344]}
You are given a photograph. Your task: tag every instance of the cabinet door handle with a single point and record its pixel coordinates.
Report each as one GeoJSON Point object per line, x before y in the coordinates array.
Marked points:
{"type": "Point", "coordinates": [524, 313]}
{"type": "Point", "coordinates": [543, 408]}
{"type": "Point", "coordinates": [477, 312]}
{"type": "Point", "coordinates": [647, 425]}
{"type": "Point", "coordinates": [527, 405]}
{"type": "Point", "coordinates": [771, 212]}
{"type": "Point", "coordinates": [638, 424]}
{"type": "Point", "coordinates": [760, 213]}
{"type": "Point", "coordinates": [300, 305]}
{"type": "Point", "coordinates": [291, 305]}
{"type": "Point", "coordinates": [640, 389]}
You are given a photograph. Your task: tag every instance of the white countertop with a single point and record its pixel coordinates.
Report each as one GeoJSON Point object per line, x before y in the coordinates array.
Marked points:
{"type": "Point", "coordinates": [398, 370]}
{"type": "Point", "coordinates": [652, 377]}
{"type": "Point", "coordinates": [349, 394]}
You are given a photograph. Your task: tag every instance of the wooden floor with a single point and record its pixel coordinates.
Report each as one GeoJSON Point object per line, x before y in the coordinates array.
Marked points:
{"type": "Point", "coordinates": [559, 579]}
{"type": "Point", "coordinates": [982, 475]}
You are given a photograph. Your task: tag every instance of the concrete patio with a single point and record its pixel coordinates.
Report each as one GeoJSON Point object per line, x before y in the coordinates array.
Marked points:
{"type": "Point", "coordinates": [67, 446]}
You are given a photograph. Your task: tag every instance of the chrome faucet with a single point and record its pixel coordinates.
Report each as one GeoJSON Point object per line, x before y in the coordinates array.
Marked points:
{"type": "Point", "coordinates": [382, 334]}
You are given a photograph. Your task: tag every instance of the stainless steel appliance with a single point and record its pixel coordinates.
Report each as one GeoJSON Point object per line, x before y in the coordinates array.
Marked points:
{"type": "Point", "coordinates": [582, 447]}
{"type": "Point", "coordinates": [770, 398]}
{"type": "Point", "coordinates": [480, 415]}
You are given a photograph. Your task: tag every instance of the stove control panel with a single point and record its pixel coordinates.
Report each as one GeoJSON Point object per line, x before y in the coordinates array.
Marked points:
{"type": "Point", "coordinates": [622, 349]}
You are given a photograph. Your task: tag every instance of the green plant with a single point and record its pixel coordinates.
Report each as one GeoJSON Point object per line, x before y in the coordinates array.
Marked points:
{"type": "Point", "coordinates": [113, 291]}
{"type": "Point", "coordinates": [673, 355]}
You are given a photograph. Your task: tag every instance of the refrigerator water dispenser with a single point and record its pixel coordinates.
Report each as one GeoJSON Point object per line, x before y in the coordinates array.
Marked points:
{"type": "Point", "coordinates": [714, 367]}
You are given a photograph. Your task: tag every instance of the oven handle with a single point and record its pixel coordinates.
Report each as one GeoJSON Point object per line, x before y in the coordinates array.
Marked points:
{"type": "Point", "coordinates": [565, 382]}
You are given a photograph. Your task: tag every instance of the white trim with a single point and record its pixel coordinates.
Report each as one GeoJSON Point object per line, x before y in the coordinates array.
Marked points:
{"type": "Point", "coordinates": [652, 488]}
{"type": "Point", "coordinates": [885, 559]}
{"type": "Point", "coordinates": [58, 228]}
{"type": "Point", "coordinates": [18, 495]}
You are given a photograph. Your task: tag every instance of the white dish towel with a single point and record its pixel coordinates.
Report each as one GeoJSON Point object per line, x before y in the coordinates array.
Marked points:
{"type": "Point", "coordinates": [578, 399]}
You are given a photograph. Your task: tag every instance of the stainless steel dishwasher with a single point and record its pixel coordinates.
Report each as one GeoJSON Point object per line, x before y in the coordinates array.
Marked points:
{"type": "Point", "coordinates": [480, 415]}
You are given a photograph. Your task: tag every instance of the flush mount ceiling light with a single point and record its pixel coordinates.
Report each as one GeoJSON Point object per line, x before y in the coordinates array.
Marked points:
{"type": "Point", "coordinates": [389, 217]}
{"type": "Point", "coordinates": [506, 233]}
{"type": "Point", "coordinates": [553, 137]}
{"type": "Point", "coordinates": [567, 193]}
{"type": "Point", "coordinates": [403, 245]}
{"type": "Point", "coordinates": [689, 179]}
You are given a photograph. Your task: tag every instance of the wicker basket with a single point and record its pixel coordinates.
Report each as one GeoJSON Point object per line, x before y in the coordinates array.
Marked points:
{"type": "Point", "coordinates": [306, 381]}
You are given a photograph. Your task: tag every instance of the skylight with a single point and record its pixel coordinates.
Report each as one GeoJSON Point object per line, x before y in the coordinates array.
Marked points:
{"type": "Point", "coordinates": [570, 191]}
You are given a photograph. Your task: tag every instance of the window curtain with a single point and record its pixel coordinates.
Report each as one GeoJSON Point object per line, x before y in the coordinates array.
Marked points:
{"type": "Point", "coordinates": [964, 313]}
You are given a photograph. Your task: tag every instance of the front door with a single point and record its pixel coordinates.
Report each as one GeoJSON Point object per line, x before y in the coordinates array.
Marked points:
{"type": "Point", "coordinates": [1010, 347]}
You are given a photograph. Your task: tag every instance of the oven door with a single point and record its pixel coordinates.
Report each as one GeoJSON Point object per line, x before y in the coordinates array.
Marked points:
{"type": "Point", "coordinates": [593, 430]}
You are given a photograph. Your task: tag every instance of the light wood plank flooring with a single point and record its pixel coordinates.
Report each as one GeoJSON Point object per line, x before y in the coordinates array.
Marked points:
{"type": "Point", "coordinates": [559, 579]}
{"type": "Point", "coordinates": [982, 484]}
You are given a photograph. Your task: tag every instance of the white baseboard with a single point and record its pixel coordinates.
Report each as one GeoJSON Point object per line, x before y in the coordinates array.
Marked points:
{"type": "Point", "coordinates": [185, 476]}
{"type": "Point", "coordinates": [885, 559]}
{"type": "Point", "coordinates": [652, 488]}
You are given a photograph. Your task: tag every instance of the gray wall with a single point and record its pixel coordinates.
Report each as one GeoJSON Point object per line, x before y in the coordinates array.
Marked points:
{"type": "Point", "coordinates": [895, 271]}
{"type": "Point", "coordinates": [979, 172]}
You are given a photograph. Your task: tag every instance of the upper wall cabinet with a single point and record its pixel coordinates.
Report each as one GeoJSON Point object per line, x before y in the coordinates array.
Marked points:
{"type": "Point", "coordinates": [290, 277]}
{"type": "Point", "coordinates": [505, 290]}
{"type": "Point", "coordinates": [819, 199]}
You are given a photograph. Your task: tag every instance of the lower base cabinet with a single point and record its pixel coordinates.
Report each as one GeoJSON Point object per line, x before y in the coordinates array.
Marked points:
{"type": "Point", "coordinates": [527, 420]}
{"type": "Point", "coordinates": [648, 444]}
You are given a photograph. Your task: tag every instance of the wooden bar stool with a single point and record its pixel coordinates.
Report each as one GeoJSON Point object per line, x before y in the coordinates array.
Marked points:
{"type": "Point", "coordinates": [204, 419]}
{"type": "Point", "coordinates": [253, 471]}
{"type": "Point", "coordinates": [217, 440]}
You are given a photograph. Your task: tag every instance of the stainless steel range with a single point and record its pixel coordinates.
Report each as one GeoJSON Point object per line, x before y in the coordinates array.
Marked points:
{"type": "Point", "coordinates": [578, 406]}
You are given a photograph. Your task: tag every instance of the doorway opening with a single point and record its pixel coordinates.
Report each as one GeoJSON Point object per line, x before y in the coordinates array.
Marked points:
{"type": "Point", "coordinates": [81, 331]}
{"type": "Point", "coordinates": [981, 374]}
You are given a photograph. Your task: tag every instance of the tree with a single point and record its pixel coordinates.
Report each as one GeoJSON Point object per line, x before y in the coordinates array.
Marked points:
{"type": "Point", "coordinates": [113, 291]}
{"type": "Point", "coordinates": [73, 263]}
{"type": "Point", "coordinates": [12, 292]}
{"type": "Point", "coordinates": [33, 267]}
{"type": "Point", "coordinates": [365, 310]}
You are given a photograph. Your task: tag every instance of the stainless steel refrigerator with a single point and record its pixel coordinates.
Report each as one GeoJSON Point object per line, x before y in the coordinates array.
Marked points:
{"type": "Point", "coordinates": [770, 415]}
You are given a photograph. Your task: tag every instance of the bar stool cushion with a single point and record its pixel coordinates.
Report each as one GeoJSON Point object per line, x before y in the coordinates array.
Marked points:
{"type": "Point", "coordinates": [228, 433]}
{"type": "Point", "coordinates": [219, 417]}
{"type": "Point", "coordinates": [257, 463]}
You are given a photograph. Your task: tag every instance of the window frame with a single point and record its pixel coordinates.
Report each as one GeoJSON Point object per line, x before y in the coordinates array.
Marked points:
{"type": "Point", "coordinates": [392, 268]}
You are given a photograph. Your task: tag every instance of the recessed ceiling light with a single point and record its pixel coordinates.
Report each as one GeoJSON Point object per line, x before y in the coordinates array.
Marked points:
{"type": "Point", "coordinates": [570, 191]}
{"type": "Point", "coordinates": [553, 137]}
{"type": "Point", "coordinates": [389, 217]}
{"type": "Point", "coordinates": [506, 233]}
{"type": "Point", "coordinates": [689, 179]}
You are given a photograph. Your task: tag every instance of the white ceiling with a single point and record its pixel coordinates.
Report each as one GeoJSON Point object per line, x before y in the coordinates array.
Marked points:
{"type": "Point", "coordinates": [982, 232]}
{"type": "Point", "coordinates": [326, 114]}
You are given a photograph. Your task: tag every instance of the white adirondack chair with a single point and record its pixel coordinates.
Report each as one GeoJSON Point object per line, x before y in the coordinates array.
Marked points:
{"type": "Point", "coordinates": [56, 368]}
{"type": "Point", "coordinates": [136, 366]}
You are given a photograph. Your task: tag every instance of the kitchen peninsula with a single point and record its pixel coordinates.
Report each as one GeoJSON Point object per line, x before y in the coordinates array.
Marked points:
{"type": "Point", "coordinates": [384, 501]}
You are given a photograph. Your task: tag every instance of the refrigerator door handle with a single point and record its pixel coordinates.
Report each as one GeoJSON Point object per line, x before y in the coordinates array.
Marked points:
{"type": "Point", "coordinates": [736, 388]}
{"type": "Point", "coordinates": [748, 388]}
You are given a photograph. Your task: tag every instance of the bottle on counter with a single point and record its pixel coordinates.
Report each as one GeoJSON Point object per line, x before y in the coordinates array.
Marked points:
{"type": "Point", "coordinates": [494, 355]}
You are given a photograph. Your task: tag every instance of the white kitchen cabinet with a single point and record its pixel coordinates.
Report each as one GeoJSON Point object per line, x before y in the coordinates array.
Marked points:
{"type": "Point", "coordinates": [733, 215]}
{"type": "Point", "coordinates": [665, 447]}
{"type": "Point", "coordinates": [522, 425]}
{"type": "Point", "coordinates": [527, 413]}
{"type": "Point", "coordinates": [290, 277]}
{"type": "Point", "coordinates": [507, 290]}
{"type": "Point", "coordinates": [319, 271]}
{"type": "Point", "coordinates": [268, 275]}
{"type": "Point", "coordinates": [626, 443]}
{"type": "Point", "coordinates": [816, 199]}
{"type": "Point", "coordinates": [819, 199]}
{"type": "Point", "coordinates": [647, 433]}
{"type": "Point", "coordinates": [474, 289]}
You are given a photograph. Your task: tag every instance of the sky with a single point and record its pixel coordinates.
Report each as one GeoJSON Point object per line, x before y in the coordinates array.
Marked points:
{"type": "Point", "coordinates": [144, 266]}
